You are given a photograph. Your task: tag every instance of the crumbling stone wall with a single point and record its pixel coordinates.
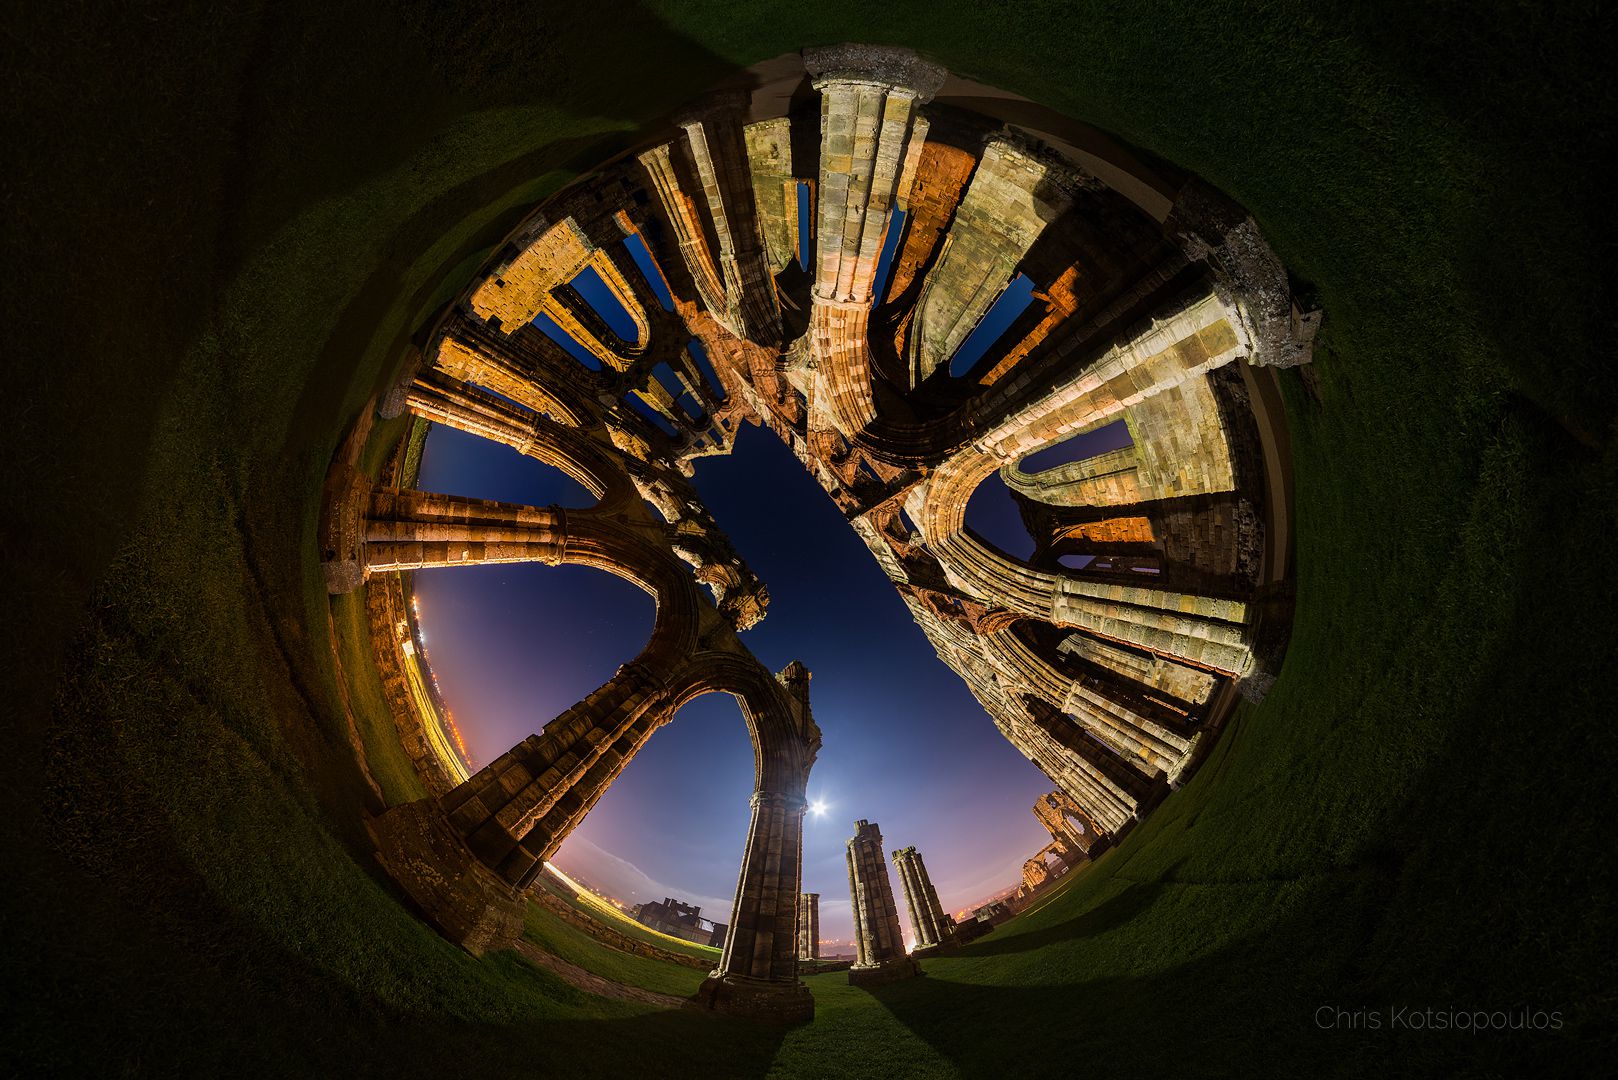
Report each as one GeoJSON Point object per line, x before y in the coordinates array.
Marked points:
{"type": "Point", "coordinates": [1107, 677]}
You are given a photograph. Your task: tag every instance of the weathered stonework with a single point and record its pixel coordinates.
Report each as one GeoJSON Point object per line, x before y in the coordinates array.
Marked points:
{"type": "Point", "coordinates": [769, 159]}
{"type": "Point", "coordinates": [868, 122]}
{"type": "Point", "coordinates": [1013, 195]}
{"type": "Point", "coordinates": [1107, 657]}
{"type": "Point", "coordinates": [927, 918]}
{"type": "Point", "coordinates": [878, 941]}
{"type": "Point", "coordinates": [1073, 831]}
{"type": "Point", "coordinates": [734, 277]}
{"type": "Point", "coordinates": [809, 926]}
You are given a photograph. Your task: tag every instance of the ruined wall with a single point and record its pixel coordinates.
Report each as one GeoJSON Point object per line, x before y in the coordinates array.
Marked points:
{"type": "Point", "coordinates": [1103, 677]}
{"type": "Point", "coordinates": [1013, 194]}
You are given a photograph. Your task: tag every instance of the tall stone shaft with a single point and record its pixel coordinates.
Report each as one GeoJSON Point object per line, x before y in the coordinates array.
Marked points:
{"type": "Point", "coordinates": [809, 926]}
{"type": "Point", "coordinates": [763, 938]}
{"type": "Point", "coordinates": [514, 811]}
{"type": "Point", "coordinates": [758, 969]}
{"type": "Point", "coordinates": [877, 938]}
{"type": "Point", "coordinates": [734, 281]}
{"type": "Point", "coordinates": [868, 122]}
{"type": "Point", "coordinates": [927, 917]}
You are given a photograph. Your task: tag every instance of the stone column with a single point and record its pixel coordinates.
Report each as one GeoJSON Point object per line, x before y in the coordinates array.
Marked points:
{"type": "Point", "coordinates": [880, 945]}
{"type": "Point", "coordinates": [719, 151]}
{"type": "Point", "coordinates": [868, 123]}
{"type": "Point", "coordinates": [809, 926]}
{"type": "Point", "coordinates": [758, 970]}
{"type": "Point", "coordinates": [1112, 791]}
{"type": "Point", "coordinates": [927, 917]}
{"type": "Point", "coordinates": [465, 857]}
{"type": "Point", "coordinates": [439, 396]}
{"type": "Point", "coordinates": [412, 530]}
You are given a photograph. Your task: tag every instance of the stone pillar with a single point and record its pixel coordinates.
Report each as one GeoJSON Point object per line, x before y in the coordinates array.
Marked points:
{"type": "Point", "coordinates": [868, 121]}
{"type": "Point", "coordinates": [439, 396]}
{"type": "Point", "coordinates": [464, 858]}
{"type": "Point", "coordinates": [775, 190]}
{"type": "Point", "coordinates": [809, 926]}
{"type": "Point", "coordinates": [758, 970]}
{"type": "Point", "coordinates": [1188, 684]}
{"type": "Point", "coordinates": [878, 941]}
{"type": "Point", "coordinates": [927, 917]}
{"type": "Point", "coordinates": [412, 530]}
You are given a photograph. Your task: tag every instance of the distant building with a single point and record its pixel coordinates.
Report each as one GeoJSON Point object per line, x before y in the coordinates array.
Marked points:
{"type": "Point", "coordinates": [681, 920]}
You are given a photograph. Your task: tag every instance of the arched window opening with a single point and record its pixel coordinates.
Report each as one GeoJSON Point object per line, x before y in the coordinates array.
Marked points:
{"type": "Point", "coordinates": [1012, 302]}
{"type": "Point", "coordinates": [884, 262]}
{"type": "Point", "coordinates": [650, 414]}
{"type": "Point", "coordinates": [548, 327]}
{"type": "Point", "coordinates": [456, 463]}
{"type": "Point", "coordinates": [1118, 564]}
{"type": "Point", "coordinates": [699, 356]}
{"type": "Point", "coordinates": [646, 262]}
{"type": "Point", "coordinates": [1076, 562]}
{"type": "Point", "coordinates": [593, 290]}
{"type": "Point", "coordinates": [806, 219]}
{"type": "Point", "coordinates": [994, 515]}
{"type": "Point", "coordinates": [671, 381]}
{"type": "Point", "coordinates": [692, 408]}
{"type": "Point", "coordinates": [1082, 447]}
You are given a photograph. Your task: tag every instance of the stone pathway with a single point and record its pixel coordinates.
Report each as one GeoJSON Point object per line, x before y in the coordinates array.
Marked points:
{"type": "Point", "coordinates": [595, 984]}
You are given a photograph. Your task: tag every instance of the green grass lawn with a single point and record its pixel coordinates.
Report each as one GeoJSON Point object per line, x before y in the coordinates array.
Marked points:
{"type": "Point", "coordinates": [229, 222]}
{"type": "Point", "coordinates": [546, 929]}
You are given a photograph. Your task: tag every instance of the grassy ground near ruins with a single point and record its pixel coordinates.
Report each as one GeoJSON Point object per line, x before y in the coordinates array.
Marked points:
{"type": "Point", "coordinates": [614, 919]}
{"type": "Point", "coordinates": [547, 930]}
{"type": "Point", "coordinates": [229, 221]}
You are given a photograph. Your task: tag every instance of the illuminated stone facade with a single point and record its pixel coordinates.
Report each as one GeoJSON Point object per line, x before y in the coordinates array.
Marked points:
{"type": "Point", "coordinates": [1156, 590]}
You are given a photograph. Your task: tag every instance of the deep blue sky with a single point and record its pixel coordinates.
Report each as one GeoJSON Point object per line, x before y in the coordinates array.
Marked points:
{"type": "Point", "coordinates": [906, 745]}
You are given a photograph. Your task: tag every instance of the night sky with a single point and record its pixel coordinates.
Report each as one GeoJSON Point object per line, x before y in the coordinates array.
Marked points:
{"type": "Point", "coordinates": [906, 745]}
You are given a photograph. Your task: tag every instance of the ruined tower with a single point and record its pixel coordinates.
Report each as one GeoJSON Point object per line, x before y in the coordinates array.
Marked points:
{"type": "Point", "coordinates": [881, 950]}
{"type": "Point", "coordinates": [809, 926]}
{"type": "Point", "coordinates": [927, 917]}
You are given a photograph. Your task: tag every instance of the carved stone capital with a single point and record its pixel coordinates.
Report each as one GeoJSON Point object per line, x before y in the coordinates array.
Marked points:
{"type": "Point", "coordinates": [884, 65]}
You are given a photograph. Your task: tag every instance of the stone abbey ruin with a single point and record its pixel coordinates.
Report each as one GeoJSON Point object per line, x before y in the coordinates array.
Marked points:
{"type": "Point", "coordinates": [1223, 397]}
{"type": "Point", "coordinates": [1155, 303]}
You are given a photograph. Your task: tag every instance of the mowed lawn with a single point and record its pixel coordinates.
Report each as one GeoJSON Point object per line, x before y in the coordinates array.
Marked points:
{"type": "Point", "coordinates": [229, 224]}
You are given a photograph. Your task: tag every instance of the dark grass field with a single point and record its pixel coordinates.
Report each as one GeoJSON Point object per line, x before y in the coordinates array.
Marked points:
{"type": "Point", "coordinates": [224, 222]}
